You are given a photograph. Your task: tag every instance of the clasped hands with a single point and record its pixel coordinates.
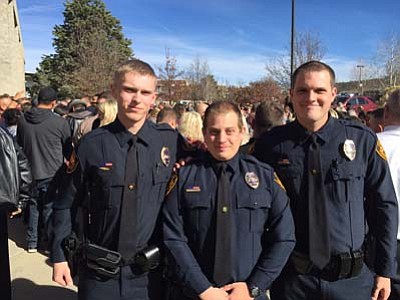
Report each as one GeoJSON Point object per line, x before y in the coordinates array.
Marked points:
{"type": "Point", "coordinates": [233, 291]}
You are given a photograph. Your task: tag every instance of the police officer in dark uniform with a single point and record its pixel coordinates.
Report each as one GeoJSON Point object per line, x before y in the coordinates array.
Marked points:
{"type": "Point", "coordinates": [119, 177]}
{"type": "Point", "coordinates": [227, 223]}
{"type": "Point", "coordinates": [338, 181]}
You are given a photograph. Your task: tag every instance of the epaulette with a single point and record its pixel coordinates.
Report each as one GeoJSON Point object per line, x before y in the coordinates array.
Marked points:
{"type": "Point", "coordinates": [251, 159]}
{"type": "Point", "coordinates": [162, 126]}
{"type": "Point", "coordinates": [356, 125]}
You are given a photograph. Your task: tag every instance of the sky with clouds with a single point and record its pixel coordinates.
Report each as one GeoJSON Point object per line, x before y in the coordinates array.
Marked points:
{"type": "Point", "coordinates": [236, 37]}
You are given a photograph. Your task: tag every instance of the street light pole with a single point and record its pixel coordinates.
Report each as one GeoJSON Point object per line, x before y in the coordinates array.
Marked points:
{"type": "Point", "coordinates": [292, 45]}
{"type": "Point", "coordinates": [360, 78]}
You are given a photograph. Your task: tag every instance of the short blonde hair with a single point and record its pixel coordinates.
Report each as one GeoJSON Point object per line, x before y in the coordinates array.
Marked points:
{"type": "Point", "coordinates": [133, 65]}
{"type": "Point", "coordinates": [191, 125]}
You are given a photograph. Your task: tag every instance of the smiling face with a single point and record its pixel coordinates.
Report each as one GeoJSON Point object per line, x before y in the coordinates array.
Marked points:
{"type": "Point", "coordinates": [223, 135]}
{"type": "Point", "coordinates": [312, 96]}
{"type": "Point", "coordinates": [135, 94]}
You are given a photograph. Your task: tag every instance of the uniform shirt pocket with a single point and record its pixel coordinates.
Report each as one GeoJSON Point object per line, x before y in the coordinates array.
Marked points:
{"type": "Point", "coordinates": [253, 210]}
{"type": "Point", "coordinates": [198, 209]}
{"type": "Point", "coordinates": [161, 174]}
{"type": "Point", "coordinates": [348, 183]}
{"type": "Point", "coordinates": [105, 190]}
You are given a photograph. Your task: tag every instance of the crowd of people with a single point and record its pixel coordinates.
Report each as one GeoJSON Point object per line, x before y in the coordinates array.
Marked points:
{"type": "Point", "coordinates": [135, 198]}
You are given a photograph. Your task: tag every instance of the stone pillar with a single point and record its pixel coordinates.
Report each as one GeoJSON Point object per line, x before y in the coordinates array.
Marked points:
{"type": "Point", "coordinates": [12, 61]}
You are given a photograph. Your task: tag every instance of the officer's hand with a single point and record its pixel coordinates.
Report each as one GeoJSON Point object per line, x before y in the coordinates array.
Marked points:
{"type": "Point", "coordinates": [181, 163]}
{"type": "Point", "coordinates": [62, 274]}
{"type": "Point", "coordinates": [381, 289]}
{"type": "Point", "coordinates": [213, 293]}
{"type": "Point", "coordinates": [237, 291]}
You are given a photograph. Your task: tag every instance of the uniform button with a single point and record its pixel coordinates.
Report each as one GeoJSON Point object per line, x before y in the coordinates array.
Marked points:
{"type": "Point", "coordinates": [224, 209]}
{"type": "Point", "coordinates": [131, 186]}
{"type": "Point", "coordinates": [313, 171]}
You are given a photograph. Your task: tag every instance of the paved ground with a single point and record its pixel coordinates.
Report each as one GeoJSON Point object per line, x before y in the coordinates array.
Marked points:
{"type": "Point", "coordinates": [31, 272]}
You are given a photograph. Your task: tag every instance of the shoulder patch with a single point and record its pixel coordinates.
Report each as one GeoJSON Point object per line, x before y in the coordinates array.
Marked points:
{"type": "Point", "coordinates": [379, 149]}
{"type": "Point", "coordinates": [171, 184]}
{"type": "Point", "coordinates": [72, 163]}
{"type": "Point", "coordinates": [279, 182]}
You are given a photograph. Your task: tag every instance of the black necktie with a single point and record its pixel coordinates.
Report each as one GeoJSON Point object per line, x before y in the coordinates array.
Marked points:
{"type": "Point", "coordinates": [128, 217]}
{"type": "Point", "coordinates": [223, 256]}
{"type": "Point", "coordinates": [319, 248]}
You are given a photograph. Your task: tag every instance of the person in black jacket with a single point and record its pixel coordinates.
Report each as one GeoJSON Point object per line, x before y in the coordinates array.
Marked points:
{"type": "Point", "coordinates": [46, 140]}
{"type": "Point", "coordinates": [14, 191]}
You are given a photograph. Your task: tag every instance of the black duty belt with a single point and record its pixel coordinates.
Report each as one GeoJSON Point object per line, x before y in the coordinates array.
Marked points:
{"type": "Point", "coordinates": [341, 266]}
{"type": "Point", "coordinates": [107, 263]}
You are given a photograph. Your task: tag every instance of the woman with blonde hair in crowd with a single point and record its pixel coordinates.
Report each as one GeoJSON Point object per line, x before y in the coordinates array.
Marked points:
{"type": "Point", "coordinates": [191, 126]}
{"type": "Point", "coordinates": [107, 112]}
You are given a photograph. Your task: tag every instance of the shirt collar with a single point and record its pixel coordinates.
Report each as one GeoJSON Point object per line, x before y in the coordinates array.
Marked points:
{"type": "Point", "coordinates": [232, 164]}
{"type": "Point", "coordinates": [123, 135]}
{"type": "Point", "coordinates": [324, 133]}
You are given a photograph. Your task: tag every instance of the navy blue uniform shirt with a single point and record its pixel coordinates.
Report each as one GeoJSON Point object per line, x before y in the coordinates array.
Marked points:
{"type": "Point", "coordinates": [352, 186]}
{"type": "Point", "coordinates": [262, 229]}
{"type": "Point", "coordinates": [98, 183]}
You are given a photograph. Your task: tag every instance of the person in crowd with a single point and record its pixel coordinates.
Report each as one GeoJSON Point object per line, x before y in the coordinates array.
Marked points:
{"type": "Point", "coordinates": [200, 107]}
{"type": "Point", "coordinates": [106, 114]}
{"type": "Point", "coordinates": [268, 115]}
{"type": "Point", "coordinates": [11, 117]}
{"type": "Point", "coordinates": [338, 181]}
{"type": "Point", "coordinates": [180, 110]}
{"type": "Point", "coordinates": [14, 192]}
{"type": "Point", "coordinates": [5, 103]}
{"type": "Point", "coordinates": [169, 116]}
{"type": "Point", "coordinates": [119, 178]}
{"type": "Point", "coordinates": [46, 141]}
{"type": "Point", "coordinates": [289, 116]}
{"type": "Point", "coordinates": [390, 138]}
{"type": "Point", "coordinates": [153, 113]}
{"type": "Point", "coordinates": [227, 223]}
{"type": "Point", "coordinates": [190, 127]}
{"type": "Point", "coordinates": [77, 113]}
{"type": "Point", "coordinates": [61, 110]}
{"type": "Point", "coordinates": [375, 120]}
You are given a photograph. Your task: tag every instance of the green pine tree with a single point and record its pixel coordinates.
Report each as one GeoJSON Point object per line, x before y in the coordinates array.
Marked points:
{"type": "Point", "coordinates": [88, 46]}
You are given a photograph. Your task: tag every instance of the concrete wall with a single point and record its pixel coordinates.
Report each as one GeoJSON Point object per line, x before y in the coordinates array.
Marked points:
{"type": "Point", "coordinates": [12, 61]}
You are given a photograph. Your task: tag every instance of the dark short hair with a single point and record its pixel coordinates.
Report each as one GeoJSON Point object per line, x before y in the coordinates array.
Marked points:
{"type": "Point", "coordinates": [46, 95]}
{"type": "Point", "coordinates": [179, 109]}
{"type": "Point", "coordinates": [167, 114]}
{"type": "Point", "coordinates": [313, 66]}
{"type": "Point", "coordinates": [268, 114]}
{"type": "Point", "coordinates": [133, 65]}
{"type": "Point", "coordinates": [377, 113]}
{"type": "Point", "coordinates": [11, 116]}
{"type": "Point", "coordinates": [5, 96]}
{"type": "Point", "coordinates": [393, 103]}
{"type": "Point", "coordinates": [222, 107]}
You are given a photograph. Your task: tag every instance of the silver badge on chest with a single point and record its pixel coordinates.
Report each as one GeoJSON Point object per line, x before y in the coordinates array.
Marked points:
{"type": "Point", "coordinates": [252, 180]}
{"type": "Point", "coordinates": [349, 149]}
{"type": "Point", "coordinates": [165, 156]}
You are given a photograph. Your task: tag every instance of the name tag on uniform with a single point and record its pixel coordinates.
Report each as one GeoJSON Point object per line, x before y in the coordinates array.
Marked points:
{"type": "Point", "coordinates": [106, 167]}
{"type": "Point", "coordinates": [193, 189]}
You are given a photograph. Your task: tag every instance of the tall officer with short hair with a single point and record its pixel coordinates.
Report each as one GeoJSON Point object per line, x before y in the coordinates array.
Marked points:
{"type": "Point", "coordinates": [122, 172]}
{"type": "Point", "coordinates": [227, 222]}
{"type": "Point", "coordinates": [339, 185]}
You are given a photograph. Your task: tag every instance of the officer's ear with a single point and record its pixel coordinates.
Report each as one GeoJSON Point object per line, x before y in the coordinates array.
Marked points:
{"type": "Point", "coordinates": [334, 93]}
